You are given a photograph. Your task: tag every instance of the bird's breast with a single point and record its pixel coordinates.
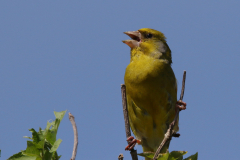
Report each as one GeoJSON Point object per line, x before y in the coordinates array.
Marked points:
{"type": "Point", "coordinates": [151, 84]}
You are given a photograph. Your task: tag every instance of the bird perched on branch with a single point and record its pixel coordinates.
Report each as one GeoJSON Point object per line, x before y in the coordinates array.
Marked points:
{"type": "Point", "coordinates": [151, 89]}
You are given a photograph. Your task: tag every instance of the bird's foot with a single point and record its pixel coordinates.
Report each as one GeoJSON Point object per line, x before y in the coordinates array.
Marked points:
{"type": "Point", "coordinates": [181, 105]}
{"type": "Point", "coordinates": [131, 143]}
{"type": "Point", "coordinates": [176, 135]}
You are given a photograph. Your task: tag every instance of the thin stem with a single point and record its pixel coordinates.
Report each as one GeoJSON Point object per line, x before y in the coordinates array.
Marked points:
{"type": "Point", "coordinates": [133, 152]}
{"type": "Point", "coordinates": [75, 145]}
{"type": "Point", "coordinates": [170, 132]}
{"type": "Point", "coordinates": [120, 157]}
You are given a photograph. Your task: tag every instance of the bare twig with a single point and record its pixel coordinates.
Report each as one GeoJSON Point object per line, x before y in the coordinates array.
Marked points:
{"type": "Point", "coordinates": [71, 118]}
{"type": "Point", "coordinates": [126, 119]}
{"type": "Point", "coordinates": [183, 85]}
{"type": "Point", "coordinates": [170, 132]}
{"type": "Point", "coordinates": [120, 157]}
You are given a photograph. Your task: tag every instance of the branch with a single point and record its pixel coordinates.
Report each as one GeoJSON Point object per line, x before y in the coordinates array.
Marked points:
{"type": "Point", "coordinates": [71, 118]}
{"type": "Point", "coordinates": [168, 136]}
{"type": "Point", "coordinates": [120, 157]}
{"type": "Point", "coordinates": [133, 152]}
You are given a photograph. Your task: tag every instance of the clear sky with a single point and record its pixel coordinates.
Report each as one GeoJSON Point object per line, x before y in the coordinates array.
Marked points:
{"type": "Point", "coordinates": [68, 55]}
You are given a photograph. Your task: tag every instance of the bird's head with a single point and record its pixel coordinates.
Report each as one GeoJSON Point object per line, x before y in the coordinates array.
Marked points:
{"type": "Point", "coordinates": [150, 42]}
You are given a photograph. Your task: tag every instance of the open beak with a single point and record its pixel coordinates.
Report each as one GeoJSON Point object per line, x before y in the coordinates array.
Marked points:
{"type": "Point", "coordinates": [136, 39]}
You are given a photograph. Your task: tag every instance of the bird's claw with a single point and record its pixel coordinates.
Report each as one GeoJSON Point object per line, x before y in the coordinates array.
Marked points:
{"type": "Point", "coordinates": [131, 143]}
{"type": "Point", "coordinates": [176, 135]}
{"type": "Point", "coordinates": [181, 105]}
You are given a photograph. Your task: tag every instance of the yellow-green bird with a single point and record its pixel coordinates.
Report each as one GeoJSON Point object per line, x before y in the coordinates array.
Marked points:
{"type": "Point", "coordinates": [151, 87]}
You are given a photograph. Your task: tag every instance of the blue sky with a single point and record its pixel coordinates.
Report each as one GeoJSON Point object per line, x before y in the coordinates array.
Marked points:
{"type": "Point", "coordinates": [68, 55]}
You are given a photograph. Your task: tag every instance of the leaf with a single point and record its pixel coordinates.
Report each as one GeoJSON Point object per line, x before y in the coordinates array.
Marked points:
{"type": "Point", "coordinates": [151, 155]}
{"type": "Point", "coordinates": [40, 134]}
{"type": "Point", "coordinates": [55, 156]}
{"type": "Point", "coordinates": [40, 144]}
{"type": "Point", "coordinates": [47, 145]}
{"type": "Point", "coordinates": [16, 156]}
{"type": "Point", "coordinates": [163, 156]}
{"type": "Point", "coordinates": [20, 156]}
{"type": "Point", "coordinates": [32, 149]}
{"type": "Point", "coordinates": [43, 144]}
{"type": "Point", "coordinates": [192, 157]}
{"type": "Point", "coordinates": [180, 158]}
{"type": "Point", "coordinates": [51, 136]}
{"type": "Point", "coordinates": [176, 155]}
{"type": "Point", "coordinates": [147, 154]}
{"type": "Point", "coordinates": [55, 145]}
{"type": "Point", "coordinates": [47, 156]}
{"type": "Point", "coordinates": [60, 115]}
{"type": "Point", "coordinates": [35, 136]}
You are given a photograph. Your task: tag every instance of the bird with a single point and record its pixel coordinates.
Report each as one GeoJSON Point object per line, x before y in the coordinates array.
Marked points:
{"type": "Point", "coordinates": [151, 89]}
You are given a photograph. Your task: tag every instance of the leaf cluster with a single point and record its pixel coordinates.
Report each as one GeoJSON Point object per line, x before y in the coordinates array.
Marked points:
{"type": "Point", "coordinates": [174, 155]}
{"type": "Point", "coordinates": [43, 144]}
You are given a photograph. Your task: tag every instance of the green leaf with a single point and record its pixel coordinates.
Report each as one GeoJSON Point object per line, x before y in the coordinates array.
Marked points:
{"type": "Point", "coordinates": [15, 156]}
{"type": "Point", "coordinates": [32, 149]}
{"type": "Point", "coordinates": [151, 155]}
{"type": "Point", "coordinates": [51, 136]}
{"type": "Point", "coordinates": [192, 157]}
{"type": "Point", "coordinates": [55, 145]}
{"type": "Point", "coordinates": [35, 136]}
{"type": "Point", "coordinates": [147, 154]}
{"type": "Point", "coordinates": [20, 156]}
{"type": "Point", "coordinates": [176, 155]}
{"type": "Point", "coordinates": [180, 158]}
{"type": "Point", "coordinates": [43, 144]}
{"type": "Point", "coordinates": [49, 124]}
{"type": "Point", "coordinates": [55, 156]}
{"type": "Point", "coordinates": [163, 156]}
{"type": "Point", "coordinates": [40, 144]}
{"type": "Point", "coordinates": [47, 155]}
{"type": "Point", "coordinates": [60, 115]}
{"type": "Point", "coordinates": [47, 145]}
{"type": "Point", "coordinates": [40, 134]}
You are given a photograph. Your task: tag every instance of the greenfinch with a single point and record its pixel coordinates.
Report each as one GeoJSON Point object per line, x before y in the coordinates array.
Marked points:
{"type": "Point", "coordinates": [151, 88]}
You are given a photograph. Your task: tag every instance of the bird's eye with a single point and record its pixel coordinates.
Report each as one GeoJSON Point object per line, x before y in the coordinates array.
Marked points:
{"type": "Point", "coordinates": [149, 35]}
